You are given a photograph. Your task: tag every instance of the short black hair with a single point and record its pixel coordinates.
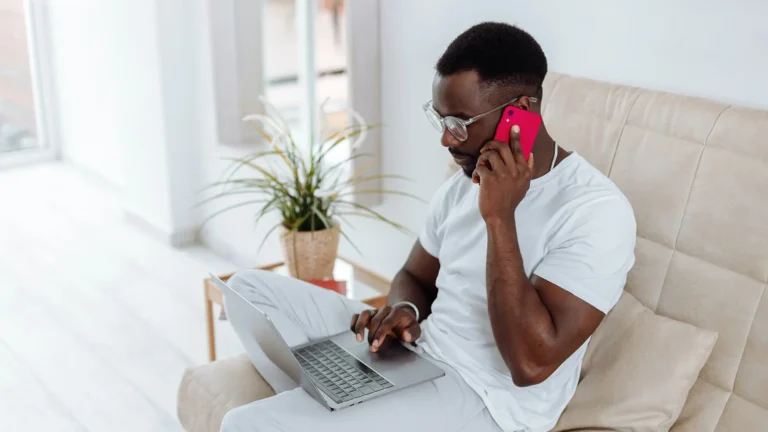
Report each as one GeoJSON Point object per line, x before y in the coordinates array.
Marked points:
{"type": "Point", "coordinates": [500, 53]}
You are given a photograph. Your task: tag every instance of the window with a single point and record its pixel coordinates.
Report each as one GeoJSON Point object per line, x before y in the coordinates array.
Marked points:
{"type": "Point", "coordinates": [301, 56]}
{"type": "Point", "coordinates": [22, 129]}
{"type": "Point", "coordinates": [18, 130]}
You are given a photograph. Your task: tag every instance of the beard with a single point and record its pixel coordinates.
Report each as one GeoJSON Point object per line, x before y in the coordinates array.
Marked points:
{"type": "Point", "coordinates": [467, 166]}
{"type": "Point", "coordinates": [468, 170]}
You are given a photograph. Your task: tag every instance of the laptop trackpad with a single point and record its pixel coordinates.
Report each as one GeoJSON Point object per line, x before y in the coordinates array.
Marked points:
{"type": "Point", "coordinates": [390, 363]}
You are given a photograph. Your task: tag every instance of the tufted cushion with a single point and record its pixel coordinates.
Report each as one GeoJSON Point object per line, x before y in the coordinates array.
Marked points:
{"type": "Point", "coordinates": [209, 391]}
{"type": "Point", "coordinates": [621, 387]}
{"type": "Point", "coordinates": [696, 172]}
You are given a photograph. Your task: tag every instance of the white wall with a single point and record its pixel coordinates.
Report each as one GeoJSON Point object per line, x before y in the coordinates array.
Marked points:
{"type": "Point", "coordinates": [84, 63]}
{"type": "Point", "coordinates": [708, 48]}
{"type": "Point", "coordinates": [180, 53]}
{"type": "Point", "coordinates": [127, 81]}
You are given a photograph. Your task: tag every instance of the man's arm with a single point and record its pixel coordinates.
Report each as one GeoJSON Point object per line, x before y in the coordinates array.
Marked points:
{"type": "Point", "coordinates": [416, 281]}
{"type": "Point", "coordinates": [536, 324]}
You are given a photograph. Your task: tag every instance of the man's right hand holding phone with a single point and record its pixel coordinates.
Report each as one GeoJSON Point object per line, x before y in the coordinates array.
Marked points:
{"type": "Point", "coordinates": [386, 325]}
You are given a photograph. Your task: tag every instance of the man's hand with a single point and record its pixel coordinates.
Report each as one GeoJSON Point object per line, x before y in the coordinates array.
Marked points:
{"type": "Point", "coordinates": [504, 177]}
{"type": "Point", "coordinates": [386, 325]}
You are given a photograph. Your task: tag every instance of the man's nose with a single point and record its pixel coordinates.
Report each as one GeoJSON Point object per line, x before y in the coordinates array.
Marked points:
{"type": "Point", "coordinates": [448, 140]}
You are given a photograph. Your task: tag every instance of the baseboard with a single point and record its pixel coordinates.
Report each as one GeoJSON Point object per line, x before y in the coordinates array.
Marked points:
{"type": "Point", "coordinates": [181, 239]}
{"type": "Point", "coordinates": [225, 250]}
{"type": "Point", "coordinates": [176, 239]}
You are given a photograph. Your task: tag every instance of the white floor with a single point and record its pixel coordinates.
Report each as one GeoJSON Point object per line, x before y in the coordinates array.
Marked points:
{"type": "Point", "coordinates": [97, 320]}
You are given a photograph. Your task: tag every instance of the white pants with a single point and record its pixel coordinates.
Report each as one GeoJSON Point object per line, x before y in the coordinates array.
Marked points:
{"type": "Point", "coordinates": [304, 312]}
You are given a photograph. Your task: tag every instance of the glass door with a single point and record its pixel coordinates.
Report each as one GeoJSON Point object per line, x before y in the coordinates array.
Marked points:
{"type": "Point", "coordinates": [282, 68]}
{"type": "Point", "coordinates": [21, 134]}
{"type": "Point", "coordinates": [306, 72]}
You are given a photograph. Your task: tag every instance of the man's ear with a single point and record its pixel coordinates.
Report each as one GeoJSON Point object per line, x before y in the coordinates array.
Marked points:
{"type": "Point", "coordinates": [527, 104]}
{"type": "Point", "coordinates": [524, 103]}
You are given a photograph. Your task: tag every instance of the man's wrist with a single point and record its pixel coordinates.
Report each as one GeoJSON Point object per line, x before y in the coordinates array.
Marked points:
{"type": "Point", "coordinates": [501, 225]}
{"type": "Point", "coordinates": [407, 306]}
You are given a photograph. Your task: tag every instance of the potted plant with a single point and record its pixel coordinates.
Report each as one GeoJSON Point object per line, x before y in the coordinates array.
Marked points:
{"type": "Point", "coordinates": [311, 193]}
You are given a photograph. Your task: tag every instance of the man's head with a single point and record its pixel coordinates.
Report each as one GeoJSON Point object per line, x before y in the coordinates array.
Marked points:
{"type": "Point", "coordinates": [484, 68]}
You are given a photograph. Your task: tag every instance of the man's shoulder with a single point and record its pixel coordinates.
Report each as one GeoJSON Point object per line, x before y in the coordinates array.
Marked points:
{"type": "Point", "coordinates": [590, 196]}
{"type": "Point", "coordinates": [590, 185]}
{"type": "Point", "coordinates": [582, 173]}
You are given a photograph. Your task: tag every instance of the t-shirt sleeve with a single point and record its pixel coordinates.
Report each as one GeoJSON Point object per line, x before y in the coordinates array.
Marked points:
{"type": "Point", "coordinates": [592, 252]}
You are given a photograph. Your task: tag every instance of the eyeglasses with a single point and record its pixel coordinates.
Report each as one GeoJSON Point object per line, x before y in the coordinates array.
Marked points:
{"type": "Point", "coordinates": [456, 126]}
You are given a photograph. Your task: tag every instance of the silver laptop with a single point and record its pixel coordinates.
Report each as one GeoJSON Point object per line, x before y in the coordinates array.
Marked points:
{"type": "Point", "coordinates": [337, 371]}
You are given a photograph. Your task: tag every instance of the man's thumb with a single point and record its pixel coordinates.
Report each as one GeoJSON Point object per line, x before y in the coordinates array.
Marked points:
{"type": "Point", "coordinates": [412, 333]}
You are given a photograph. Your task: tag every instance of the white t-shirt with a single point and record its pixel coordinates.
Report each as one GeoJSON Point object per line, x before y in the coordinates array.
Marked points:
{"type": "Point", "coordinates": [575, 229]}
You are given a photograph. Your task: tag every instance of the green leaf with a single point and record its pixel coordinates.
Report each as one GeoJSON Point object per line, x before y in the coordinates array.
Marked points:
{"type": "Point", "coordinates": [343, 138]}
{"type": "Point", "coordinates": [301, 220]}
{"type": "Point", "coordinates": [345, 220]}
{"type": "Point", "coordinates": [243, 191]}
{"type": "Point", "coordinates": [266, 208]}
{"type": "Point", "coordinates": [323, 219]}
{"type": "Point", "coordinates": [339, 134]}
{"type": "Point", "coordinates": [374, 214]}
{"type": "Point", "coordinates": [380, 191]}
{"type": "Point", "coordinates": [237, 163]}
{"type": "Point", "coordinates": [347, 160]}
{"type": "Point", "coordinates": [275, 182]}
{"type": "Point", "coordinates": [351, 242]}
{"type": "Point", "coordinates": [245, 162]}
{"type": "Point", "coordinates": [228, 208]}
{"type": "Point", "coordinates": [238, 182]}
{"type": "Point", "coordinates": [363, 179]}
{"type": "Point", "coordinates": [266, 236]}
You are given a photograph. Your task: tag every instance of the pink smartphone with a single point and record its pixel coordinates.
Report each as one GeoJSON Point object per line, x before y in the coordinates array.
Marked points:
{"type": "Point", "coordinates": [529, 127]}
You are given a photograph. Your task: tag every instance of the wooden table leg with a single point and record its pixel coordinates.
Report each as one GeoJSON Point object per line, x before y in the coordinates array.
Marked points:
{"type": "Point", "coordinates": [209, 323]}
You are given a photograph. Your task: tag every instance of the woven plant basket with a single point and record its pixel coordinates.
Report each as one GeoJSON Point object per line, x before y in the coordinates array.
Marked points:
{"type": "Point", "coordinates": [310, 255]}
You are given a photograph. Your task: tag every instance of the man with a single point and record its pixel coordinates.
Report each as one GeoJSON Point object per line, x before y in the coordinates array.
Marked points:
{"type": "Point", "coordinates": [518, 263]}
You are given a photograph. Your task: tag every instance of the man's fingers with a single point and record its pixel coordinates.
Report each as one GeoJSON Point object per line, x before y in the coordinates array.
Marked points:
{"type": "Point", "coordinates": [482, 161]}
{"type": "Point", "coordinates": [530, 162]}
{"type": "Point", "coordinates": [514, 139]}
{"type": "Point", "coordinates": [384, 330]}
{"type": "Point", "coordinates": [517, 151]}
{"type": "Point", "coordinates": [384, 345]}
{"type": "Point", "coordinates": [494, 159]}
{"type": "Point", "coordinates": [502, 148]}
{"type": "Point", "coordinates": [410, 332]}
{"type": "Point", "coordinates": [475, 177]}
{"type": "Point", "coordinates": [491, 159]}
{"type": "Point", "coordinates": [481, 171]}
{"type": "Point", "coordinates": [376, 321]}
{"type": "Point", "coordinates": [362, 323]}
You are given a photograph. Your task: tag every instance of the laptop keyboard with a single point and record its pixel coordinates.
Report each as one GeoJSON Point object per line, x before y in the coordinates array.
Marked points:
{"type": "Point", "coordinates": [338, 373]}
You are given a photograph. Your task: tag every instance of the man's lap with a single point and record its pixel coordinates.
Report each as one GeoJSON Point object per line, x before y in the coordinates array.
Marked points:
{"type": "Point", "coordinates": [299, 310]}
{"type": "Point", "coordinates": [446, 404]}
{"type": "Point", "coordinates": [303, 312]}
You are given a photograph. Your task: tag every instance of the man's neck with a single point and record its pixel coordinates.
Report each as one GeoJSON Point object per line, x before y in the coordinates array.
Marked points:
{"type": "Point", "coordinates": [543, 152]}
